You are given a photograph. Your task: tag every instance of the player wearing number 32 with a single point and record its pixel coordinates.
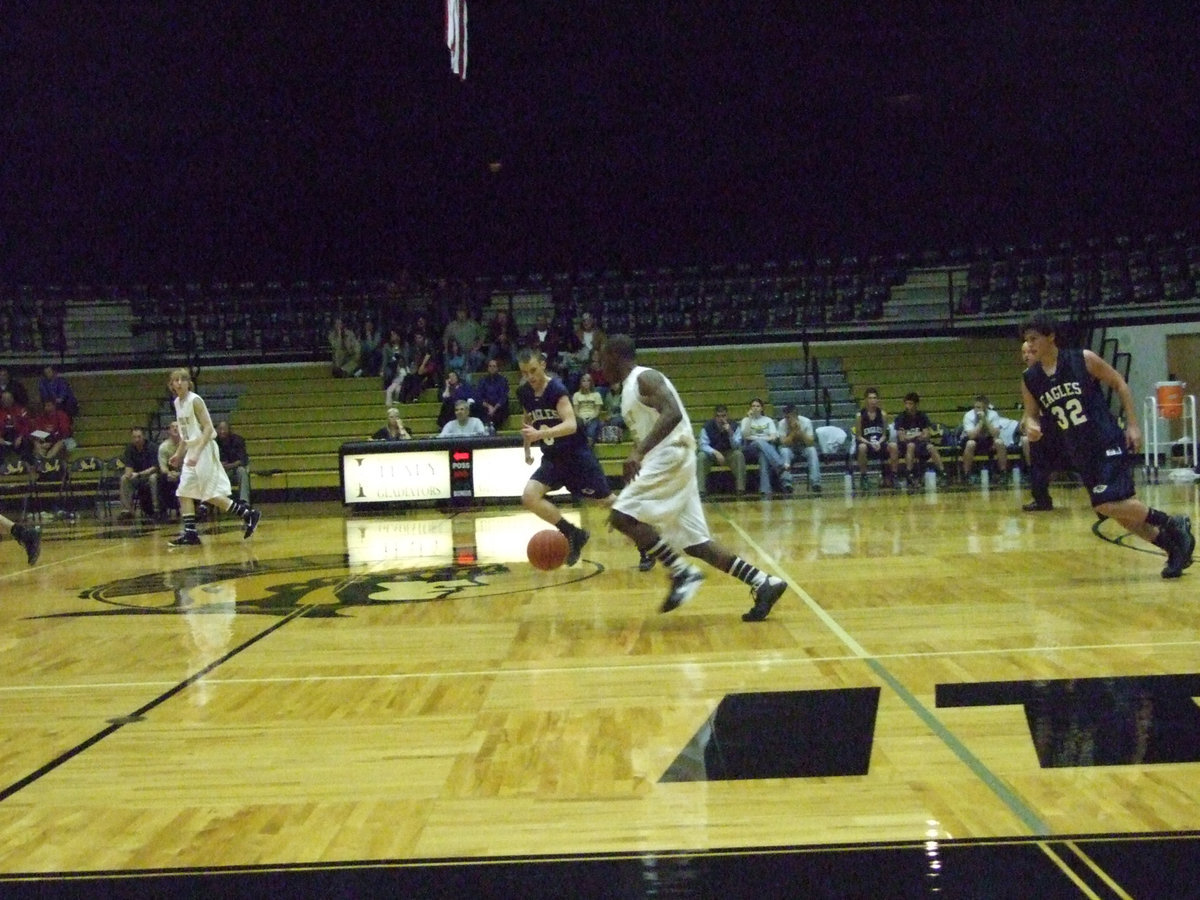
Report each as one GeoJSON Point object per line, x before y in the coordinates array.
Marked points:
{"type": "Point", "coordinates": [1068, 385]}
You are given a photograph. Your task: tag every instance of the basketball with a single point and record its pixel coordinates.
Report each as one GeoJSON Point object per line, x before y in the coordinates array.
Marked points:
{"type": "Point", "coordinates": [547, 549]}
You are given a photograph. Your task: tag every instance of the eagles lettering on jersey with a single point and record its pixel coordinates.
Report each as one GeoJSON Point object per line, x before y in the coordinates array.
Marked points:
{"type": "Point", "coordinates": [543, 412]}
{"type": "Point", "coordinates": [872, 429]}
{"type": "Point", "coordinates": [541, 416]}
{"type": "Point", "coordinates": [1072, 389]}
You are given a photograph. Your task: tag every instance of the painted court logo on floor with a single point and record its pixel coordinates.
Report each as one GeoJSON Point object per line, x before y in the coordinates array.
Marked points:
{"type": "Point", "coordinates": [325, 584]}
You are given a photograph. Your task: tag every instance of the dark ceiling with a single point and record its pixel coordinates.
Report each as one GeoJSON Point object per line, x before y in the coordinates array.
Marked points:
{"type": "Point", "coordinates": [195, 140]}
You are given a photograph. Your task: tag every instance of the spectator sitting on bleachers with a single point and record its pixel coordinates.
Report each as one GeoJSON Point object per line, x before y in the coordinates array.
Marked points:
{"type": "Point", "coordinates": [981, 437]}
{"type": "Point", "coordinates": [15, 443]}
{"type": "Point", "coordinates": [589, 405]}
{"type": "Point", "coordinates": [51, 432]}
{"type": "Point", "coordinates": [575, 353]}
{"type": "Point", "coordinates": [346, 350]}
{"type": "Point", "coordinates": [394, 430]}
{"type": "Point", "coordinates": [371, 355]}
{"type": "Point", "coordinates": [420, 325]}
{"type": "Point", "coordinates": [597, 372]}
{"type": "Point", "coordinates": [422, 371]}
{"type": "Point", "coordinates": [720, 445]}
{"type": "Point", "coordinates": [469, 335]}
{"type": "Point", "coordinates": [463, 424]}
{"type": "Point", "coordinates": [502, 337]}
{"type": "Point", "coordinates": [590, 337]}
{"type": "Point", "coordinates": [141, 474]}
{"type": "Point", "coordinates": [871, 435]}
{"type": "Point", "coordinates": [760, 443]}
{"type": "Point", "coordinates": [614, 419]}
{"type": "Point", "coordinates": [797, 439]}
{"type": "Point", "coordinates": [454, 390]}
{"type": "Point", "coordinates": [235, 460]}
{"type": "Point", "coordinates": [168, 475]}
{"type": "Point", "coordinates": [571, 362]}
{"type": "Point", "coordinates": [492, 396]}
{"type": "Point", "coordinates": [455, 360]}
{"type": "Point", "coordinates": [395, 367]}
{"type": "Point", "coordinates": [52, 386]}
{"type": "Point", "coordinates": [913, 430]}
{"type": "Point", "coordinates": [544, 337]}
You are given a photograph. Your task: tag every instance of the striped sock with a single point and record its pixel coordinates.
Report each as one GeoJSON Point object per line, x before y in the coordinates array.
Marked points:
{"type": "Point", "coordinates": [189, 524]}
{"type": "Point", "coordinates": [663, 552]}
{"type": "Point", "coordinates": [238, 508]}
{"type": "Point", "coordinates": [743, 571]}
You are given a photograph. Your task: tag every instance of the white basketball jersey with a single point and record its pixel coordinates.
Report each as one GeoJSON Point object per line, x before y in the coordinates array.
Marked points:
{"type": "Point", "coordinates": [640, 418]}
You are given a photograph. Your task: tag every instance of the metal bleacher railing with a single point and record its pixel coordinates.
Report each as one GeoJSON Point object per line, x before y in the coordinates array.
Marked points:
{"type": "Point", "coordinates": [931, 293]}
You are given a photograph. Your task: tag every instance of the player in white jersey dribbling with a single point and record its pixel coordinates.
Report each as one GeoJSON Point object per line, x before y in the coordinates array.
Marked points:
{"type": "Point", "coordinates": [659, 508]}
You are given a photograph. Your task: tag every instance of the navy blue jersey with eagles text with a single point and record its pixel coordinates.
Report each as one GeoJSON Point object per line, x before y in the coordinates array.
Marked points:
{"type": "Point", "coordinates": [1074, 401]}
{"type": "Point", "coordinates": [543, 410]}
{"type": "Point", "coordinates": [872, 428]}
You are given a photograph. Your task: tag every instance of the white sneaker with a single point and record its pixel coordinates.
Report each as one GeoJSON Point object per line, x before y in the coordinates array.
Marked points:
{"type": "Point", "coordinates": [683, 587]}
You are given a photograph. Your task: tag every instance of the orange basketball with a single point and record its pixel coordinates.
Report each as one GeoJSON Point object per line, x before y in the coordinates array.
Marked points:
{"type": "Point", "coordinates": [547, 549]}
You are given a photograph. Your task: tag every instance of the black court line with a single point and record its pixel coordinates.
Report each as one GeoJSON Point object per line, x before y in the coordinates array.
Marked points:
{"type": "Point", "coordinates": [137, 714]}
{"type": "Point", "coordinates": [1120, 540]}
{"type": "Point", "coordinates": [1148, 865]}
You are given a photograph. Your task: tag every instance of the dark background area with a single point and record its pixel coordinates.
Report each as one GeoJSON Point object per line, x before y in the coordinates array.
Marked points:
{"type": "Point", "coordinates": [169, 140]}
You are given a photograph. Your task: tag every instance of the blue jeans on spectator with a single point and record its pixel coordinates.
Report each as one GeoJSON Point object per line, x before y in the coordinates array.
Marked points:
{"type": "Point", "coordinates": [810, 456]}
{"type": "Point", "coordinates": [591, 428]}
{"type": "Point", "coordinates": [767, 456]}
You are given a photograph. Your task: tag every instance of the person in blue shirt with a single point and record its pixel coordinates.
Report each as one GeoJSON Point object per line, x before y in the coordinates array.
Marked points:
{"type": "Point", "coordinates": [492, 397]}
{"type": "Point", "coordinates": [52, 386]}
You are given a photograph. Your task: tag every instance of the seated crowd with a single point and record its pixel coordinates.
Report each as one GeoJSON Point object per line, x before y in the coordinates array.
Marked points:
{"type": "Point", "coordinates": [467, 364]}
{"type": "Point", "coordinates": [467, 361]}
{"type": "Point", "coordinates": [150, 471]}
{"type": "Point", "coordinates": [36, 432]}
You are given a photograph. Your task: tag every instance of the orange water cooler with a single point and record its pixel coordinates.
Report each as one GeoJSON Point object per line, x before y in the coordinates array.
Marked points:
{"type": "Point", "coordinates": [1169, 404]}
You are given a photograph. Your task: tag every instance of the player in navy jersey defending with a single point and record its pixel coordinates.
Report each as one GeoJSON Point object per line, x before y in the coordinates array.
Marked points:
{"type": "Point", "coordinates": [659, 508]}
{"type": "Point", "coordinates": [1066, 386]}
{"type": "Point", "coordinates": [567, 460]}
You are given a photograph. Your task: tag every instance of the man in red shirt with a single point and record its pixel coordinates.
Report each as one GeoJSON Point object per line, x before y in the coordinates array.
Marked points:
{"type": "Point", "coordinates": [14, 430]}
{"type": "Point", "coordinates": [51, 432]}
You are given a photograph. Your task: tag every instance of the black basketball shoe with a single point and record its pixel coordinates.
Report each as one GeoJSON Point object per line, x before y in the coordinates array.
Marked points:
{"type": "Point", "coordinates": [29, 537]}
{"type": "Point", "coordinates": [764, 596]}
{"type": "Point", "coordinates": [1183, 542]}
{"type": "Point", "coordinates": [251, 522]}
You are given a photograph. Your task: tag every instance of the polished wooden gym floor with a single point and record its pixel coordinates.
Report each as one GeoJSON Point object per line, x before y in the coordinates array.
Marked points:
{"type": "Point", "coordinates": [953, 694]}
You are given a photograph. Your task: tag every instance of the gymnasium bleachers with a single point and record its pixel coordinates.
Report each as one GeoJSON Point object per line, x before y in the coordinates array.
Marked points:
{"type": "Point", "coordinates": [724, 333]}
{"type": "Point", "coordinates": [946, 373]}
{"type": "Point", "coordinates": [295, 417]}
{"type": "Point", "coordinates": [846, 296]}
